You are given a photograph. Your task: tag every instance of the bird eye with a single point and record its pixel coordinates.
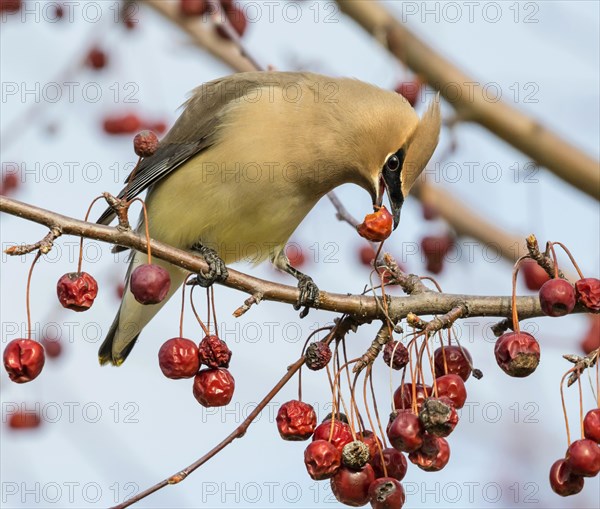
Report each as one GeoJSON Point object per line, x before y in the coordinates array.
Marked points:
{"type": "Point", "coordinates": [393, 163]}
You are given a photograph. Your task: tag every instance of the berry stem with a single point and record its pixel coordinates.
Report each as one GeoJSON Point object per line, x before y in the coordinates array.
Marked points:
{"type": "Point", "coordinates": [550, 246]}
{"type": "Point", "coordinates": [27, 305]}
{"type": "Point", "coordinates": [580, 407]}
{"type": "Point", "coordinates": [214, 311]}
{"type": "Point", "coordinates": [513, 302]}
{"type": "Point", "coordinates": [87, 215]}
{"type": "Point", "coordinates": [146, 227]}
{"type": "Point", "coordinates": [564, 407]}
{"type": "Point", "coordinates": [571, 257]}
{"type": "Point", "coordinates": [371, 423]}
{"type": "Point", "coordinates": [204, 328]}
{"type": "Point", "coordinates": [376, 408]}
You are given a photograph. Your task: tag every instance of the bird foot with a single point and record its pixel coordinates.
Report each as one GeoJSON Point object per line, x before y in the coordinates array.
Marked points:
{"type": "Point", "coordinates": [217, 271]}
{"type": "Point", "coordinates": [309, 295]}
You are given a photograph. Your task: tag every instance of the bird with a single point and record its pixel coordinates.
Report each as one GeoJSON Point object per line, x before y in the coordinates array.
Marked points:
{"type": "Point", "coordinates": [248, 158]}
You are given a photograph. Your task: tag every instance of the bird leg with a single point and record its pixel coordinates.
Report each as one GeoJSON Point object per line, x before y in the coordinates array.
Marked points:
{"type": "Point", "coordinates": [309, 292]}
{"type": "Point", "coordinates": [217, 271]}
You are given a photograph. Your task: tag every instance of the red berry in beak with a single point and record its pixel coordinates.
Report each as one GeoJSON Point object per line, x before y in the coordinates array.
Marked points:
{"type": "Point", "coordinates": [377, 226]}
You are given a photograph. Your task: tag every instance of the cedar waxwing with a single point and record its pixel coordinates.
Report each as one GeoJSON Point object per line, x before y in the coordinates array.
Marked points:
{"type": "Point", "coordinates": [250, 156]}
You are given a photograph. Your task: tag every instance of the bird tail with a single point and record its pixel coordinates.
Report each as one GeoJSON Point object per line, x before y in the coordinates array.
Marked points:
{"type": "Point", "coordinates": [132, 316]}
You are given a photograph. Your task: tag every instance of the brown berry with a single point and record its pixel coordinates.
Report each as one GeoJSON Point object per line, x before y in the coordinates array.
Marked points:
{"type": "Point", "coordinates": [562, 481]}
{"type": "Point", "coordinates": [557, 297]}
{"type": "Point", "coordinates": [23, 360]}
{"type": "Point", "coordinates": [453, 360]}
{"type": "Point", "coordinates": [583, 457]}
{"type": "Point", "coordinates": [178, 358]}
{"type": "Point", "coordinates": [214, 352]}
{"type": "Point", "coordinates": [438, 416]}
{"type": "Point", "coordinates": [400, 353]}
{"type": "Point", "coordinates": [296, 420]}
{"type": "Point", "coordinates": [318, 355]}
{"type": "Point", "coordinates": [322, 459]}
{"type": "Point", "coordinates": [377, 226]}
{"type": "Point", "coordinates": [351, 487]}
{"type": "Point", "coordinates": [386, 493]}
{"type": "Point", "coordinates": [77, 291]}
{"type": "Point", "coordinates": [149, 283]}
{"type": "Point", "coordinates": [517, 353]}
{"type": "Point", "coordinates": [591, 425]}
{"type": "Point", "coordinates": [213, 387]}
{"type": "Point", "coordinates": [355, 454]}
{"type": "Point", "coordinates": [588, 292]}
{"type": "Point", "coordinates": [145, 143]}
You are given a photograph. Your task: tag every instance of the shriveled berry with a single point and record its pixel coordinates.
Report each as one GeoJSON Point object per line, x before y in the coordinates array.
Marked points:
{"type": "Point", "coordinates": [410, 90]}
{"type": "Point", "coordinates": [534, 275]}
{"type": "Point", "coordinates": [355, 454]}
{"type": "Point", "coordinates": [395, 463]}
{"type": "Point", "coordinates": [386, 493]}
{"type": "Point", "coordinates": [438, 416]}
{"type": "Point", "coordinates": [145, 143]}
{"type": "Point", "coordinates": [583, 457]}
{"type": "Point", "coordinates": [452, 387]}
{"type": "Point", "coordinates": [322, 459]}
{"type": "Point", "coordinates": [351, 487]}
{"type": "Point", "coordinates": [77, 291]}
{"type": "Point", "coordinates": [517, 353]}
{"type": "Point", "coordinates": [405, 432]}
{"type": "Point", "coordinates": [341, 433]}
{"type": "Point", "coordinates": [400, 353]}
{"type": "Point", "coordinates": [96, 59]}
{"type": "Point", "coordinates": [588, 292]}
{"type": "Point", "coordinates": [433, 455]}
{"type": "Point", "coordinates": [24, 420]}
{"type": "Point", "coordinates": [557, 297]}
{"type": "Point", "coordinates": [24, 360]}
{"type": "Point", "coordinates": [377, 226]}
{"type": "Point", "coordinates": [149, 283]}
{"type": "Point", "coordinates": [591, 425]}
{"type": "Point", "coordinates": [457, 359]}
{"type": "Point", "coordinates": [214, 352]}
{"type": "Point", "coordinates": [318, 355]}
{"type": "Point", "coordinates": [562, 481]}
{"type": "Point", "coordinates": [296, 420]}
{"type": "Point", "coordinates": [403, 396]}
{"type": "Point", "coordinates": [178, 358]}
{"type": "Point", "coordinates": [213, 387]}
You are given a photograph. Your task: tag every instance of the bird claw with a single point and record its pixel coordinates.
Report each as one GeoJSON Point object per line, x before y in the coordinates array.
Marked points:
{"type": "Point", "coordinates": [217, 271]}
{"type": "Point", "coordinates": [309, 295]}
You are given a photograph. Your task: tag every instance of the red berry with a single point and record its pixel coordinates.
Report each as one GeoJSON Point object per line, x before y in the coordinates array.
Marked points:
{"type": "Point", "coordinates": [145, 143]}
{"type": "Point", "coordinates": [120, 290]}
{"type": "Point", "coordinates": [400, 353]}
{"type": "Point", "coordinates": [341, 433]}
{"type": "Point", "coordinates": [588, 292]}
{"type": "Point", "coordinates": [592, 338]}
{"type": "Point", "coordinates": [10, 182]}
{"type": "Point", "coordinates": [318, 355]}
{"type": "Point", "coordinates": [158, 127]}
{"type": "Point", "coordinates": [386, 493]}
{"type": "Point", "coordinates": [591, 425]}
{"type": "Point", "coordinates": [372, 441]}
{"type": "Point", "coordinates": [435, 249]}
{"type": "Point", "coordinates": [236, 18]}
{"type": "Point", "coordinates": [52, 347]}
{"type": "Point", "coordinates": [457, 359]}
{"type": "Point", "coordinates": [563, 481]}
{"type": "Point", "coordinates": [395, 464]}
{"type": "Point", "coordinates": [77, 291]}
{"type": "Point", "coordinates": [124, 124]}
{"type": "Point", "coordinates": [403, 396]}
{"type": "Point", "coordinates": [517, 353]}
{"type": "Point", "coordinates": [366, 255]}
{"type": "Point", "coordinates": [535, 276]}
{"type": "Point", "coordinates": [557, 297]}
{"type": "Point", "coordinates": [96, 59]}
{"type": "Point", "coordinates": [193, 7]}
{"type": "Point", "coordinates": [214, 352]}
{"type": "Point", "coordinates": [453, 388]}
{"type": "Point", "coordinates": [24, 420]}
{"type": "Point", "coordinates": [430, 212]}
{"type": "Point", "coordinates": [433, 455]}
{"type": "Point", "coordinates": [351, 487]}
{"type": "Point", "coordinates": [149, 283]}
{"type": "Point", "coordinates": [213, 387]}
{"type": "Point", "coordinates": [377, 226]}
{"type": "Point", "coordinates": [178, 358]}
{"type": "Point", "coordinates": [410, 90]}
{"type": "Point", "coordinates": [10, 6]}
{"type": "Point", "coordinates": [295, 255]}
{"type": "Point", "coordinates": [296, 420]}
{"type": "Point", "coordinates": [59, 11]}
{"type": "Point", "coordinates": [322, 459]}
{"type": "Point", "coordinates": [438, 416]}
{"type": "Point", "coordinates": [23, 360]}
{"type": "Point", "coordinates": [583, 457]}
{"type": "Point", "coordinates": [405, 432]}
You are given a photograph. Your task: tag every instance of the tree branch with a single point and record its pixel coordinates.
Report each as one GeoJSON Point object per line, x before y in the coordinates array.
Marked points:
{"type": "Point", "coordinates": [362, 307]}
{"type": "Point", "coordinates": [506, 122]}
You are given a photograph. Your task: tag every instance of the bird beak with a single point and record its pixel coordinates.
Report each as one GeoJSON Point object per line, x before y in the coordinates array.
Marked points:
{"type": "Point", "coordinates": [390, 181]}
